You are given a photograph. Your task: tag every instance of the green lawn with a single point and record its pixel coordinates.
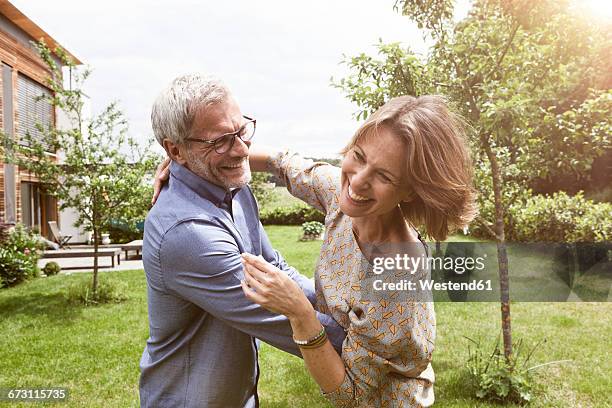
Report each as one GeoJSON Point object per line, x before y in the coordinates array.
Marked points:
{"type": "Point", "coordinates": [95, 351]}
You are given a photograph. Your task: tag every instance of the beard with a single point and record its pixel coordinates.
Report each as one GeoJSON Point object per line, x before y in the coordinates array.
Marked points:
{"type": "Point", "coordinates": [214, 174]}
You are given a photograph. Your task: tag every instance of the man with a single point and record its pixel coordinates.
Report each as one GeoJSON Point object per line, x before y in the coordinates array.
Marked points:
{"type": "Point", "coordinates": [202, 350]}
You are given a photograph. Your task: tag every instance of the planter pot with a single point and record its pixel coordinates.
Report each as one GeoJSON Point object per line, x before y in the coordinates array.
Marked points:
{"type": "Point", "coordinates": [106, 239]}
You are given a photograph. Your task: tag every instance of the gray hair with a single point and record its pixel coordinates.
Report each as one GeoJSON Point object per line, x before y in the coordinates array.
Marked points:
{"type": "Point", "coordinates": [176, 106]}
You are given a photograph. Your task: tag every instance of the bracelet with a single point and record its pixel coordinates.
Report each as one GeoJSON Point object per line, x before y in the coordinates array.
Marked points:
{"type": "Point", "coordinates": [314, 342]}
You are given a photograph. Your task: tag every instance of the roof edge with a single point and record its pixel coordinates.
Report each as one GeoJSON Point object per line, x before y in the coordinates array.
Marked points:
{"type": "Point", "coordinates": [14, 15]}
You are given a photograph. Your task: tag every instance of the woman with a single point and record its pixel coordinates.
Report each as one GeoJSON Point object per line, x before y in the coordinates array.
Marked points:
{"type": "Point", "coordinates": [407, 166]}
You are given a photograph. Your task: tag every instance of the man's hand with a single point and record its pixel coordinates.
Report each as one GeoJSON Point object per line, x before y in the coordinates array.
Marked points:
{"type": "Point", "coordinates": [161, 176]}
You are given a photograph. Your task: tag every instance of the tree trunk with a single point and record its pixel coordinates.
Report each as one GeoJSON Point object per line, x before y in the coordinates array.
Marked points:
{"type": "Point", "coordinates": [502, 256]}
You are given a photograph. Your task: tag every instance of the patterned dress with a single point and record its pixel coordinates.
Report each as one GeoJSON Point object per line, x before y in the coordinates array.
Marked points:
{"type": "Point", "coordinates": [389, 344]}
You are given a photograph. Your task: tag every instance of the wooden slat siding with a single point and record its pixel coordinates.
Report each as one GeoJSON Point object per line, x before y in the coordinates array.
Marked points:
{"type": "Point", "coordinates": [1, 103]}
{"type": "Point", "coordinates": [22, 59]}
{"type": "Point", "coordinates": [2, 209]}
{"type": "Point", "coordinates": [2, 215]}
{"type": "Point", "coordinates": [26, 61]}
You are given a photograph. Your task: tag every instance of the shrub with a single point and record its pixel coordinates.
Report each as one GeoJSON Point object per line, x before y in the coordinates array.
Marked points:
{"type": "Point", "coordinates": [312, 230]}
{"type": "Point", "coordinates": [51, 268]}
{"type": "Point", "coordinates": [109, 291]}
{"type": "Point", "coordinates": [293, 215]}
{"type": "Point", "coordinates": [121, 235]}
{"type": "Point", "coordinates": [561, 218]}
{"type": "Point", "coordinates": [19, 254]}
{"type": "Point", "coordinates": [555, 218]}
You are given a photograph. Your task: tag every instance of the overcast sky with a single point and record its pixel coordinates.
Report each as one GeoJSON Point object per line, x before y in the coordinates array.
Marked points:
{"type": "Point", "coordinates": [276, 56]}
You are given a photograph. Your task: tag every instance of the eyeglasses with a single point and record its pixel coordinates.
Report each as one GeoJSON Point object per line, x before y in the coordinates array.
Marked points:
{"type": "Point", "coordinates": [225, 142]}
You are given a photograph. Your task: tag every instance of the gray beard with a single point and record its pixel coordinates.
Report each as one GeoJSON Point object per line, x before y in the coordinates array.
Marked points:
{"type": "Point", "coordinates": [205, 172]}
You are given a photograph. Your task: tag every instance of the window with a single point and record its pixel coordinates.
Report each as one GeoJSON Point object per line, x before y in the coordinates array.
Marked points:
{"type": "Point", "coordinates": [37, 207]}
{"type": "Point", "coordinates": [32, 112]}
{"type": "Point", "coordinates": [30, 205]}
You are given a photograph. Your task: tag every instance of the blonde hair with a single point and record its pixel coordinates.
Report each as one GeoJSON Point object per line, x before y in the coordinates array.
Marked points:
{"type": "Point", "coordinates": [439, 167]}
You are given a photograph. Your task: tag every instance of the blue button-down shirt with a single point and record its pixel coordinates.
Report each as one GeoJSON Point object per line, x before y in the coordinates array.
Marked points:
{"type": "Point", "coordinates": [202, 350]}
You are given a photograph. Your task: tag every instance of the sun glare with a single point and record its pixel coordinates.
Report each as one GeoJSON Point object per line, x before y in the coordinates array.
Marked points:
{"type": "Point", "coordinates": [597, 8]}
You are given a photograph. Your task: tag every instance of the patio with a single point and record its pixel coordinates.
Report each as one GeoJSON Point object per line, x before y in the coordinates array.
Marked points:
{"type": "Point", "coordinates": [85, 264]}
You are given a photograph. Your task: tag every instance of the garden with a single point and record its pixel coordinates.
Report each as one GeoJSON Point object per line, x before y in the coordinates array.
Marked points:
{"type": "Point", "coordinates": [530, 79]}
{"type": "Point", "coordinates": [94, 351]}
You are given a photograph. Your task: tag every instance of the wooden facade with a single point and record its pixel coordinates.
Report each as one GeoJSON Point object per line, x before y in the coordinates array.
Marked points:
{"type": "Point", "coordinates": [22, 198]}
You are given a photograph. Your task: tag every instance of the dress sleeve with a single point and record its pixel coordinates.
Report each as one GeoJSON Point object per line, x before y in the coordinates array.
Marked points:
{"type": "Point", "coordinates": [316, 183]}
{"type": "Point", "coordinates": [387, 354]}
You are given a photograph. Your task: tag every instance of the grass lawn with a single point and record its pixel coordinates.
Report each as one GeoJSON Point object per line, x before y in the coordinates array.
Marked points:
{"type": "Point", "coordinates": [95, 351]}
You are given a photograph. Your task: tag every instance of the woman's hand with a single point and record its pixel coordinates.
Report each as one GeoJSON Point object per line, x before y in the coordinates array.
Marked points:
{"type": "Point", "coordinates": [161, 175]}
{"type": "Point", "coordinates": [271, 288]}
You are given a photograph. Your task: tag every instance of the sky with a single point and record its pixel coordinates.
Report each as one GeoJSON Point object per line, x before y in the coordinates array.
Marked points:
{"type": "Point", "coordinates": [277, 57]}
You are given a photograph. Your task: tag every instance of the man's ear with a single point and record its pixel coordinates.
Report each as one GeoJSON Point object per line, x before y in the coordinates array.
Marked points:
{"type": "Point", "coordinates": [175, 152]}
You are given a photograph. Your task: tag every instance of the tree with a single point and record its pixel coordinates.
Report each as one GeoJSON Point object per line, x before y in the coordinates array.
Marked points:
{"type": "Point", "coordinates": [532, 80]}
{"type": "Point", "coordinates": [103, 170]}
{"type": "Point", "coordinates": [263, 192]}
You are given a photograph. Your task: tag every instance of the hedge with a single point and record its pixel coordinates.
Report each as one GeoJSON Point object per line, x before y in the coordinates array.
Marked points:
{"type": "Point", "coordinates": [557, 218]}
{"type": "Point", "coordinates": [296, 214]}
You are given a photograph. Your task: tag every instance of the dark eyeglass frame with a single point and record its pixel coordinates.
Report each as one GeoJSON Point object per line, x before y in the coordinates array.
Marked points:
{"type": "Point", "coordinates": [234, 135]}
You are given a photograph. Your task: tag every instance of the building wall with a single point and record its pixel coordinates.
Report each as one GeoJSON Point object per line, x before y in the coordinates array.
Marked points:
{"type": "Point", "coordinates": [19, 54]}
{"type": "Point", "coordinates": [69, 216]}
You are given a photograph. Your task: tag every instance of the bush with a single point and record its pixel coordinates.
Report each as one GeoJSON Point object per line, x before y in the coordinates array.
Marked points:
{"type": "Point", "coordinates": [312, 230]}
{"type": "Point", "coordinates": [293, 215]}
{"type": "Point", "coordinates": [51, 268]}
{"type": "Point", "coordinates": [121, 235]}
{"type": "Point", "coordinates": [555, 218]}
{"type": "Point", "coordinates": [561, 218]}
{"type": "Point", "coordinates": [19, 254]}
{"type": "Point", "coordinates": [109, 291]}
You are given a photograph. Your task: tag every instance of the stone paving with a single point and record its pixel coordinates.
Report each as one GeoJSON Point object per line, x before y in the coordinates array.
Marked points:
{"type": "Point", "coordinates": [86, 264]}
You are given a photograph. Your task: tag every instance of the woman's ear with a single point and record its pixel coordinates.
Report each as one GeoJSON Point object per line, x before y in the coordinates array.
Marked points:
{"type": "Point", "coordinates": [407, 195]}
{"type": "Point", "coordinates": [175, 152]}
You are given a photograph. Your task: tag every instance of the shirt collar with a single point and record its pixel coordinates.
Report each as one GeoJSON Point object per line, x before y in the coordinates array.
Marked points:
{"type": "Point", "coordinates": [202, 187]}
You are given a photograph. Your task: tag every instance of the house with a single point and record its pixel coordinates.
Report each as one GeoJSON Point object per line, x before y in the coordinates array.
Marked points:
{"type": "Point", "coordinates": [22, 78]}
